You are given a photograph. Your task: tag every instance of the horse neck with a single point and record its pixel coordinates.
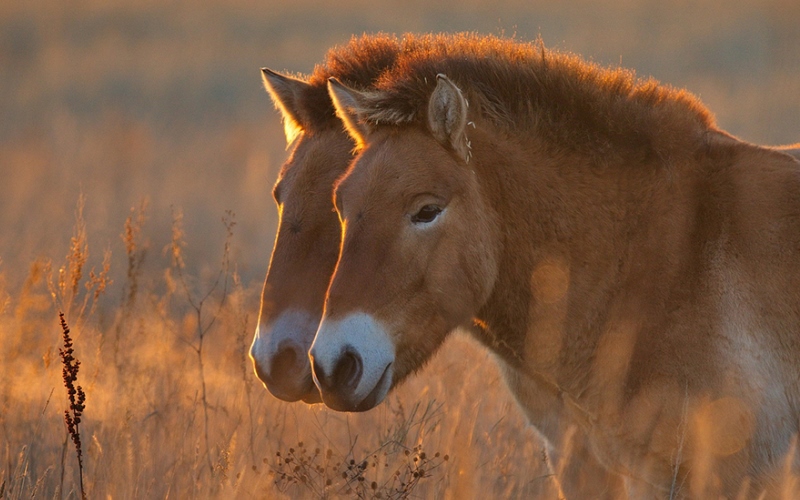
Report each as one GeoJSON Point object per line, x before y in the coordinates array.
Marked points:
{"type": "Point", "coordinates": [584, 215]}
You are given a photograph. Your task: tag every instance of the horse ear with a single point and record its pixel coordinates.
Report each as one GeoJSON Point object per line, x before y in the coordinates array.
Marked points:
{"type": "Point", "coordinates": [447, 116]}
{"type": "Point", "coordinates": [285, 92]}
{"type": "Point", "coordinates": [348, 102]}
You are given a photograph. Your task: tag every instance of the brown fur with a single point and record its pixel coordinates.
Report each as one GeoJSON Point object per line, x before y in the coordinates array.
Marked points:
{"type": "Point", "coordinates": [307, 243]}
{"type": "Point", "coordinates": [308, 239]}
{"type": "Point", "coordinates": [633, 267]}
{"type": "Point", "coordinates": [792, 149]}
{"type": "Point", "coordinates": [520, 87]}
{"type": "Point", "coordinates": [359, 63]}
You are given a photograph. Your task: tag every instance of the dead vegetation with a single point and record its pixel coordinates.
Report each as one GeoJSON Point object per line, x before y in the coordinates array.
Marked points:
{"type": "Point", "coordinates": [175, 408]}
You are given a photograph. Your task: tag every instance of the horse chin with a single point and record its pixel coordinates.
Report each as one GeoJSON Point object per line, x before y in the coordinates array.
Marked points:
{"type": "Point", "coordinates": [373, 399]}
{"type": "Point", "coordinates": [379, 393]}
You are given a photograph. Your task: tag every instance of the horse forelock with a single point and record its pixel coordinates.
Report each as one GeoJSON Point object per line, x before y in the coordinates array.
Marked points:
{"type": "Point", "coordinates": [358, 64]}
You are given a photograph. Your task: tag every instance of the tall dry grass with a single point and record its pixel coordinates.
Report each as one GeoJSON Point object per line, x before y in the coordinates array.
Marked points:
{"type": "Point", "coordinates": [172, 407]}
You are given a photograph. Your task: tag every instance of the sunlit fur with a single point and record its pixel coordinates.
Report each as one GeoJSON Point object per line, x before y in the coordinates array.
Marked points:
{"type": "Point", "coordinates": [636, 270]}
{"type": "Point", "coordinates": [307, 243]}
{"type": "Point", "coordinates": [308, 237]}
{"type": "Point", "coordinates": [793, 149]}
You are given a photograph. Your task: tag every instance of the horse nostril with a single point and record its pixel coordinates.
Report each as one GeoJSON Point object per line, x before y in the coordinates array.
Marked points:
{"type": "Point", "coordinates": [345, 376]}
{"type": "Point", "coordinates": [348, 370]}
{"type": "Point", "coordinates": [284, 362]}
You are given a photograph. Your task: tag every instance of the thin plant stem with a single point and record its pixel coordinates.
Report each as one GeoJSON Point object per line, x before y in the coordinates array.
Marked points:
{"type": "Point", "coordinates": [75, 394]}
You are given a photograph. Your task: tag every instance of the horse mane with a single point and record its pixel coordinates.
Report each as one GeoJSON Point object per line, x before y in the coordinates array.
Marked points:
{"type": "Point", "coordinates": [522, 86]}
{"type": "Point", "coordinates": [359, 64]}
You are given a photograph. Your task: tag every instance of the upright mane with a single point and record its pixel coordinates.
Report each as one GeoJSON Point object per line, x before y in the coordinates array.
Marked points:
{"type": "Point", "coordinates": [521, 86]}
{"type": "Point", "coordinates": [360, 63]}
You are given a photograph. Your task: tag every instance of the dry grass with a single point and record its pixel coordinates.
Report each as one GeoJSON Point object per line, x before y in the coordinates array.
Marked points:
{"type": "Point", "coordinates": [159, 107]}
{"type": "Point", "coordinates": [177, 411]}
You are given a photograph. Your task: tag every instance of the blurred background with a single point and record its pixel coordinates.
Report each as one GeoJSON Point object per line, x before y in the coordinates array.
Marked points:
{"type": "Point", "coordinates": [129, 101]}
{"type": "Point", "coordinates": [155, 110]}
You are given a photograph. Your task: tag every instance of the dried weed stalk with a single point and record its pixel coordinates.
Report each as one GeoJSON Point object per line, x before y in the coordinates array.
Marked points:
{"type": "Point", "coordinates": [242, 320]}
{"type": "Point", "coordinates": [383, 474]}
{"type": "Point", "coordinates": [392, 471]}
{"type": "Point", "coordinates": [204, 323]}
{"type": "Point", "coordinates": [75, 394]}
{"type": "Point", "coordinates": [135, 249]}
{"type": "Point", "coordinates": [65, 291]}
{"type": "Point", "coordinates": [5, 297]}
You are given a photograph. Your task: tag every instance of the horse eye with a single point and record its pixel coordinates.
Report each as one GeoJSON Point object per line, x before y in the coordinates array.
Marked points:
{"type": "Point", "coordinates": [426, 214]}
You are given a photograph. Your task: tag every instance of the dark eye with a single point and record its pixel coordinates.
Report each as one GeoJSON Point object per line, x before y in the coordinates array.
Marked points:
{"type": "Point", "coordinates": [426, 214]}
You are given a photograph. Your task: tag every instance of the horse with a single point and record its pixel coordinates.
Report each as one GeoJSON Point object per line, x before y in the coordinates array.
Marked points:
{"type": "Point", "coordinates": [308, 240]}
{"type": "Point", "coordinates": [307, 243]}
{"type": "Point", "coordinates": [634, 268]}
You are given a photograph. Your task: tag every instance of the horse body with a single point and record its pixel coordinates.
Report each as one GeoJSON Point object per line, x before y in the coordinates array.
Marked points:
{"type": "Point", "coordinates": [634, 268]}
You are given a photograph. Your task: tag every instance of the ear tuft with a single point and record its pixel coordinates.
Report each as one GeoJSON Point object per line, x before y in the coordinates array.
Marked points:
{"type": "Point", "coordinates": [447, 116]}
{"type": "Point", "coordinates": [348, 102]}
{"type": "Point", "coordinates": [286, 93]}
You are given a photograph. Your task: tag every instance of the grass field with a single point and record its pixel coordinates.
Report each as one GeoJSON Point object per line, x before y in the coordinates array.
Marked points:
{"type": "Point", "coordinates": [173, 410]}
{"type": "Point", "coordinates": [137, 153]}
